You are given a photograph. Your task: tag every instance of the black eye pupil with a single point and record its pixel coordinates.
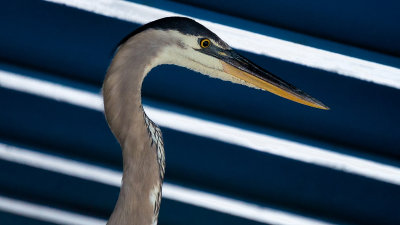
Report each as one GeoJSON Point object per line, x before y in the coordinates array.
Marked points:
{"type": "Point", "coordinates": [206, 43]}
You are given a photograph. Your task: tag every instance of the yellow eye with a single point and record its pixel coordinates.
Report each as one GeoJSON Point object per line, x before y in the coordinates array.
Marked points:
{"type": "Point", "coordinates": [205, 43]}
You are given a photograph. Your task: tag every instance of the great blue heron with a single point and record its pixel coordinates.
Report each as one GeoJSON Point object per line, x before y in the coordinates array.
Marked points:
{"type": "Point", "coordinates": [182, 42]}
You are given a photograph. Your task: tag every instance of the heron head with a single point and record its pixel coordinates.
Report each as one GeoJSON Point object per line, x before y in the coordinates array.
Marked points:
{"type": "Point", "coordinates": [189, 44]}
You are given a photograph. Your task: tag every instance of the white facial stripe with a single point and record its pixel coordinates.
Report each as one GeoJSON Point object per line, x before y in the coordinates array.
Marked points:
{"type": "Point", "coordinates": [182, 50]}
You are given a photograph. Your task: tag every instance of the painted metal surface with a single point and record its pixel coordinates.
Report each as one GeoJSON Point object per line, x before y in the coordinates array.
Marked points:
{"type": "Point", "coordinates": [265, 159]}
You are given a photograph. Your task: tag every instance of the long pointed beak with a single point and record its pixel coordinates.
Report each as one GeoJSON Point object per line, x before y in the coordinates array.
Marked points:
{"type": "Point", "coordinates": [245, 70]}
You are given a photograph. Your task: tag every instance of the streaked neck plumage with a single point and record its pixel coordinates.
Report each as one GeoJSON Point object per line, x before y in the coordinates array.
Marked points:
{"type": "Point", "coordinates": [140, 139]}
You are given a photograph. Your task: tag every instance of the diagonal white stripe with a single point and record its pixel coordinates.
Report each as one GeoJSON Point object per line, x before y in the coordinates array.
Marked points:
{"type": "Point", "coordinates": [46, 213]}
{"type": "Point", "coordinates": [256, 43]}
{"type": "Point", "coordinates": [51, 90]}
{"type": "Point", "coordinates": [217, 131]}
{"type": "Point", "coordinates": [111, 177]}
{"type": "Point", "coordinates": [237, 208]}
{"type": "Point", "coordinates": [274, 145]}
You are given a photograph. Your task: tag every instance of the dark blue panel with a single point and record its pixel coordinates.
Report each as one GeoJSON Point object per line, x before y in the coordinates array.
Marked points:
{"type": "Point", "coordinates": [291, 184]}
{"type": "Point", "coordinates": [73, 47]}
{"type": "Point", "coordinates": [51, 37]}
{"type": "Point", "coordinates": [68, 193]}
{"type": "Point", "coordinates": [12, 219]}
{"type": "Point", "coordinates": [206, 163]}
{"type": "Point", "coordinates": [362, 116]}
{"type": "Point", "coordinates": [70, 129]}
{"type": "Point", "coordinates": [60, 191]}
{"type": "Point", "coordinates": [176, 213]}
{"type": "Point", "coordinates": [369, 24]}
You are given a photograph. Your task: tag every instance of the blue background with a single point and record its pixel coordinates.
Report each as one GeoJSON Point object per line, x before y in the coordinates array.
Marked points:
{"type": "Point", "coordinates": [54, 42]}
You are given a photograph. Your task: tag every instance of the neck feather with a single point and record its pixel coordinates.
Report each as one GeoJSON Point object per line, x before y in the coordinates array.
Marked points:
{"type": "Point", "coordinates": [139, 137]}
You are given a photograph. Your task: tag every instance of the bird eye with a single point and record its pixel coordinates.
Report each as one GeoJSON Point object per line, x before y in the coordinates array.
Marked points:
{"type": "Point", "coordinates": [205, 43]}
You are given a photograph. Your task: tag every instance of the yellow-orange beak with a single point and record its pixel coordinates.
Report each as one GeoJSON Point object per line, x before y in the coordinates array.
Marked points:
{"type": "Point", "coordinates": [243, 69]}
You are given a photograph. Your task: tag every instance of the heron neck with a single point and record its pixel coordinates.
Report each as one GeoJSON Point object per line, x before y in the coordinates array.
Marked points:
{"type": "Point", "coordinates": [143, 170]}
